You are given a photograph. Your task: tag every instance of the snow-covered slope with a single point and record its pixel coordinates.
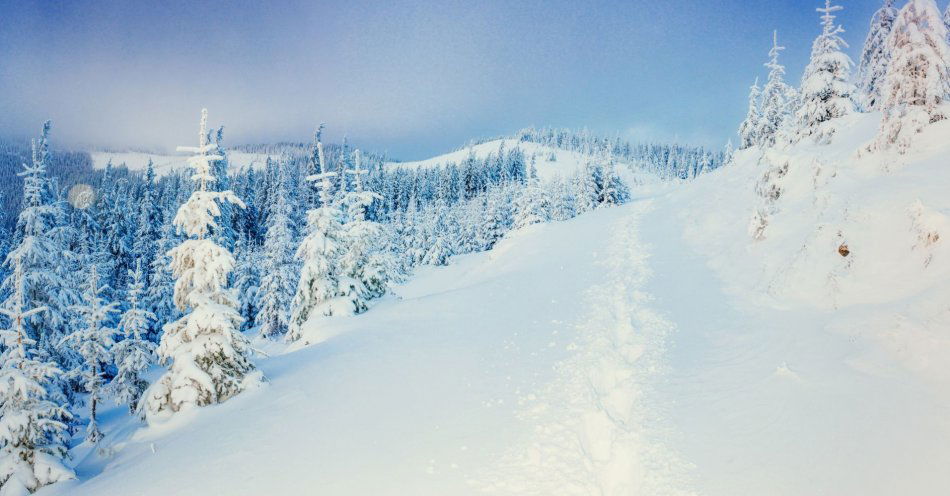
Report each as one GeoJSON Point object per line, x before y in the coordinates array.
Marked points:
{"type": "Point", "coordinates": [551, 162]}
{"type": "Point", "coordinates": [652, 348]}
{"type": "Point", "coordinates": [889, 211]}
{"type": "Point", "coordinates": [163, 164]}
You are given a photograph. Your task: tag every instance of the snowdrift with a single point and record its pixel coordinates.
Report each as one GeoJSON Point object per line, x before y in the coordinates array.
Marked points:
{"type": "Point", "coordinates": [836, 227]}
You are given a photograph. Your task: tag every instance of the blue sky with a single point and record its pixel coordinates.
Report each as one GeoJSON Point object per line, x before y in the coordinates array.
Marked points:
{"type": "Point", "coordinates": [413, 78]}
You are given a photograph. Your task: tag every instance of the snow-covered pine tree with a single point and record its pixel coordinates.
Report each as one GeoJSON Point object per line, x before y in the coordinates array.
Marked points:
{"type": "Point", "coordinates": [875, 56]}
{"type": "Point", "coordinates": [277, 284]}
{"type": "Point", "coordinates": [319, 286]}
{"type": "Point", "coordinates": [210, 357]}
{"type": "Point", "coordinates": [247, 281]}
{"type": "Point", "coordinates": [148, 224]}
{"type": "Point", "coordinates": [749, 126]}
{"type": "Point", "coordinates": [496, 218]}
{"type": "Point", "coordinates": [918, 79]}
{"type": "Point", "coordinates": [365, 261]}
{"type": "Point", "coordinates": [774, 108]}
{"type": "Point", "coordinates": [562, 204]}
{"type": "Point", "coordinates": [93, 341]}
{"type": "Point", "coordinates": [133, 354]}
{"type": "Point", "coordinates": [826, 91]}
{"type": "Point", "coordinates": [35, 249]}
{"type": "Point", "coordinates": [159, 297]}
{"type": "Point", "coordinates": [223, 229]}
{"type": "Point", "coordinates": [32, 429]}
{"type": "Point", "coordinates": [439, 237]}
{"type": "Point", "coordinates": [532, 205]}
{"type": "Point", "coordinates": [728, 154]}
{"type": "Point", "coordinates": [610, 188]}
{"type": "Point", "coordinates": [585, 189]}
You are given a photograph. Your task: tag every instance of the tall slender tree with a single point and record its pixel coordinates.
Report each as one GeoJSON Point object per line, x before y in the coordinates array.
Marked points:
{"type": "Point", "coordinates": [93, 341]}
{"type": "Point", "coordinates": [32, 429]}
{"type": "Point", "coordinates": [776, 98]}
{"type": "Point", "coordinates": [826, 91]}
{"type": "Point", "coordinates": [875, 57]}
{"type": "Point", "coordinates": [319, 286]}
{"type": "Point", "coordinates": [35, 250]}
{"type": "Point", "coordinates": [749, 126]}
{"type": "Point", "coordinates": [133, 354]}
{"type": "Point", "coordinates": [365, 261]}
{"type": "Point", "coordinates": [210, 358]}
{"type": "Point", "coordinates": [278, 282]}
{"type": "Point", "coordinates": [148, 223]}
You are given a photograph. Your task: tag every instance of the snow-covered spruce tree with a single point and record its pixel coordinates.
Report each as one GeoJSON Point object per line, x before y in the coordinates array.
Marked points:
{"type": "Point", "coordinates": [776, 96]}
{"type": "Point", "coordinates": [826, 91]}
{"type": "Point", "coordinates": [875, 56]}
{"type": "Point", "coordinates": [247, 280]}
{"type": "Point", "coordinates": [223, 229]}
{"type": "Point", "coordinates": [438, 232]}
{"type": "Point", "coordinates": [35, 249]}
{"type": "Point", "coordinates": [133, 354]}
{"type": "Point", "coordinates": [365, 261]}
{"type": "Point", "coordinates": [159, 297]}
{"type": "Point", "coordinates": [532, 205]}
{"type": "Point", "coordinates": [610, 188]}
{"type": "Point", "coordinates": [93, 341]}
{"type": "Point", "coordinates": [210, 357]}
{"type": "Point", "coordinates": [319, 286]}
{"type": "Point", "coordinates": [148, 225]}
{"type": "Point", "coordinates": [32, 432]}
{"type": "Point", "coordinates": [562, 200]}
{"type": "Point", "coordinates": [918, 79]}
{"type": "Point", "coordinates": [749, 126]}
{"type": "Point", "coordinates": [584, 189]}
{"type": "Point", "coordinates": [497, 216]}
{"type": "Point", "coordinates": [279, 273]}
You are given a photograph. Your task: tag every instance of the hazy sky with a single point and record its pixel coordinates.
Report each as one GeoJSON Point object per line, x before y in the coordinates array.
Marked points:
{"type": "Point", "coordinates": [413, 78]}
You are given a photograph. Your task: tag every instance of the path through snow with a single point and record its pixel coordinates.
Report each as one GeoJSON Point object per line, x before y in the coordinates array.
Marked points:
{"type": "Point", "coordinates": [596, 426]}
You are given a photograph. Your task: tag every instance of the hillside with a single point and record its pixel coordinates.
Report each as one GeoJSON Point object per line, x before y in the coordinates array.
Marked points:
{"type": "Point", "coordinates": [650, 348]}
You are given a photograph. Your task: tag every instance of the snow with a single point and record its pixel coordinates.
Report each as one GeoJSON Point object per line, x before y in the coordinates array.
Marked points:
{"type": "Point", "coordinates": [164, 164]}
{"type": "Point", "coordinates": [564, 164]}
{"type": "Point", "coordinates": [651, 348]}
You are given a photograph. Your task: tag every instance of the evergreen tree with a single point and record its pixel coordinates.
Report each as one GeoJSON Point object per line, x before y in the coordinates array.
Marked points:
{"type": "Point", "coordinates": [133, 354]}
{"type": "Point", "coordinates": [247, 281]}
{"type": "Point", "coordinates": [319, 286]}
{"type": "Point", "coordinates": [223, 228]}
{"type": "Point", "coordinates": [440, 236]}
{"type": "Point", "coordinates": [148, 223]}
{"type": "Point", "coordinates": [585, 189]}
{"type": "Point", "coordinates": [776, 98]}
{"type": "Point", "coordinates": [93, 341]}
{"type": "Point", "coordinates": [610, 189]}
{"type": "Point", "coordinates": [277, 285]}
{"type": "Point", "coordinates": [365, 261]}
{"type": "Point", "coordinates": [32, 429]}
{"type": "Point", "coordinates": [159, 297]}
{"type": "Point", "coordinates": [827, 91]}
{"type": "Point", "coordinates": [210, 357]}
{"type": "Point", "coordinates": [35, 250]}
{"type": "Point", "coordinates": [562, 206]}
{"type": "Point", "coordinates": [875, 56]}
{"type": "Point", "coordinates": [496, 218]}
{"type": "Point", "coordinates": [749, 127]}
{"type": "Point", "coordinates": [918, 79]}
{"type": "Point", "coordinates": [532, 206]}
